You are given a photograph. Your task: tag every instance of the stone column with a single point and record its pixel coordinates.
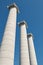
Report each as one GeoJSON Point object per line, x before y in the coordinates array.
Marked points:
{"type": "Point", "coordinates": [8, 42]}
{"type": "Point", "coordinates": [33, 60]}
{"type": "Point", "coordinates": [24, 53]}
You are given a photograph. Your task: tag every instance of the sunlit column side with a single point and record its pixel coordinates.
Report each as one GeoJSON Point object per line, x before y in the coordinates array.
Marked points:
{"type": "Point", "coordinates": [33, 60]}
{"type": "Point", "coordinates": [24, 53]}
{"type": "Point", "coordinates": [8, 42]}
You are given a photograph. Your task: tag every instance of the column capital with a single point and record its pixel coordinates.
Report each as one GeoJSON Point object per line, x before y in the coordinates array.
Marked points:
{"type": "Point", "coordinates": [13, 6]}
{"type": "Point", "coordinates": [30, 35]}
{"type": "Point", "coordinates": [22, 23]}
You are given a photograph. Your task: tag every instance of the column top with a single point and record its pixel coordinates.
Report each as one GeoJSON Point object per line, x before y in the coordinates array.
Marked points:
{"type": "Point", "coordinates": [12, 6]}
{"type": "Point", "coordinates": [30, 35]}
{"type": "Point", "coordinates": [22, 23]}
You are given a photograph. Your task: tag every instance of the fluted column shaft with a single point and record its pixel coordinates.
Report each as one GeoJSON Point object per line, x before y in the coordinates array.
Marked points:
{"type": "Point", "coordinates": [33, 60]}
{"type": "Point", "coordinates": [24, 54]}
{"type": "Point", "coordinates": [8, 42]}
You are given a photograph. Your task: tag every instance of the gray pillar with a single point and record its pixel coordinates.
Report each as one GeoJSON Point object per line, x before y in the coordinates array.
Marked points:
{"type": "Point", "coordinates": [8, 42]}
{"type": "Point", "coordinates": [33, 60]}
{"type": "Point", "coordinates": [24, 53]}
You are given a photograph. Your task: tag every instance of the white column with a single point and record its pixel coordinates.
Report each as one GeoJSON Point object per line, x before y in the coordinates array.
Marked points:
{"type": "Point", "coordinates": [33, 60]}
{"type": "Point", "coordinates": [0, 53]}
{"type": "Point", "coordinates": [8, 42]}
{"type": "Point", "coordinates": [24, 53]}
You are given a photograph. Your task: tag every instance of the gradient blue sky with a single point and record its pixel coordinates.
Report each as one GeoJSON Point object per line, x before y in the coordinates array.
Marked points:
{"type": "Point", "coordinates": [32, 12]}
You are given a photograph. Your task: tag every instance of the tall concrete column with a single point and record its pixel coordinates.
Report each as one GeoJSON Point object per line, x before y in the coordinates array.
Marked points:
{"type": "Point", "coordinates": [8, 42]}
{"type": "Point", "coordinates": [24, 53]}
{"type": "Point", "coordinates": [0, 53]}
{"type": "Point", "coordinates": [33, 60]}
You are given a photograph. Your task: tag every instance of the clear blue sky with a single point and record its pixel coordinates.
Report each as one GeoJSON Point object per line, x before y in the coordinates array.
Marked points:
{"type": "Point", "coordinates": [32, 12]}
